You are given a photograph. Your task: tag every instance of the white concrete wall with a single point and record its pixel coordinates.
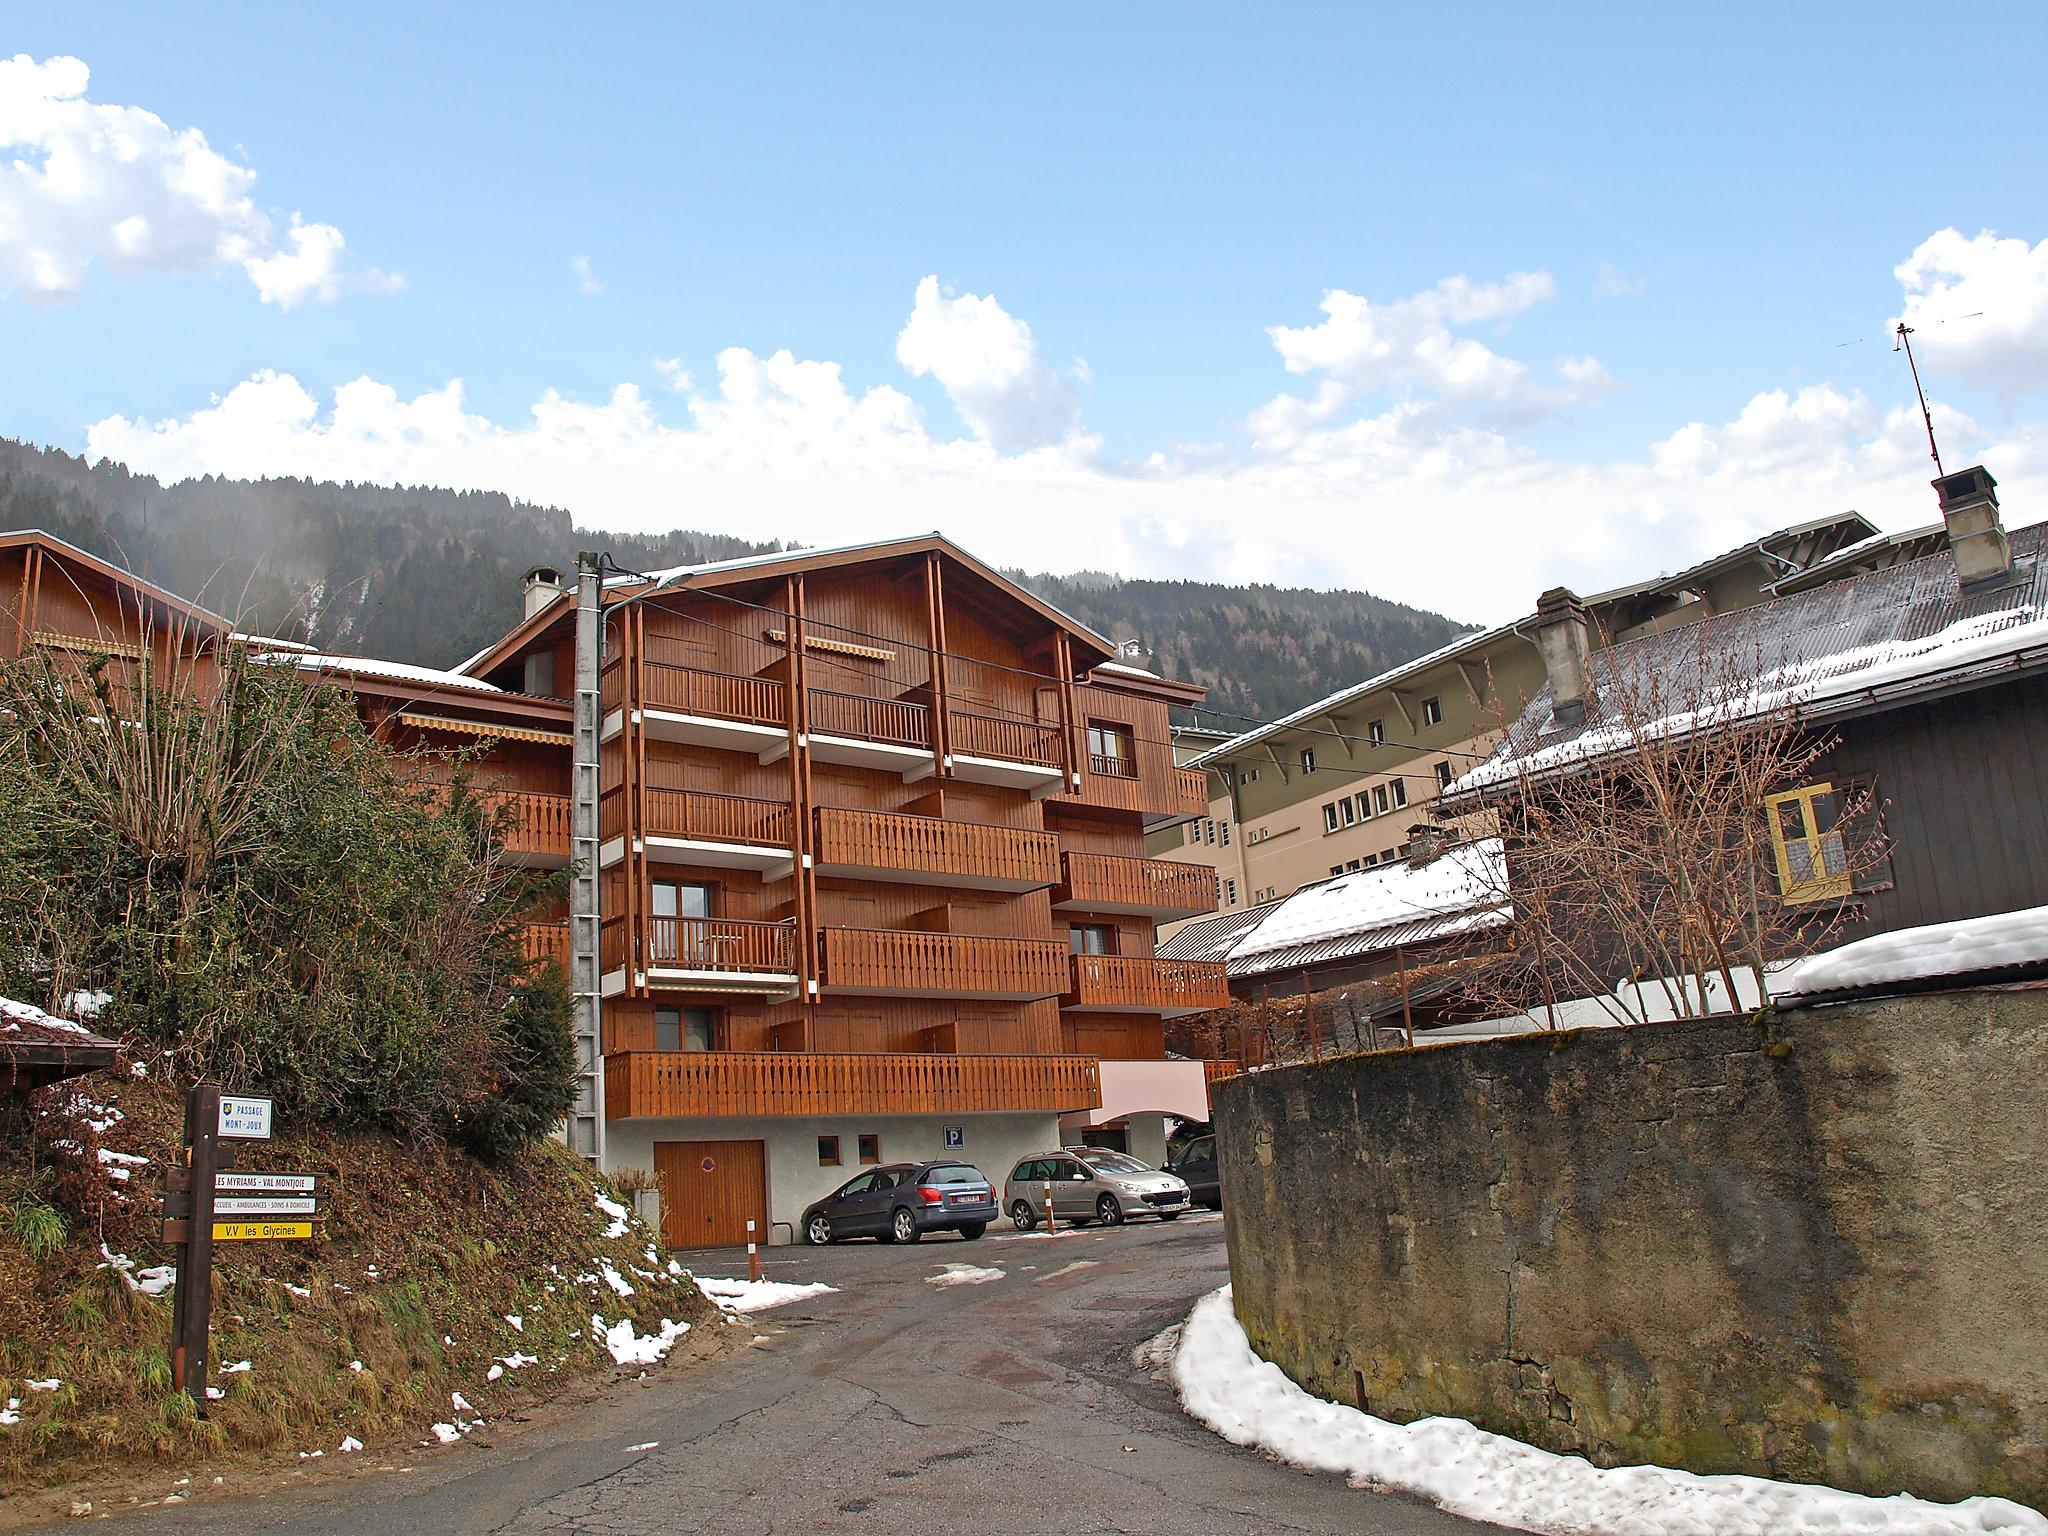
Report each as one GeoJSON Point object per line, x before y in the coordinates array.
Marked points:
{"type": "Point", "coordinates": [790, 1148]}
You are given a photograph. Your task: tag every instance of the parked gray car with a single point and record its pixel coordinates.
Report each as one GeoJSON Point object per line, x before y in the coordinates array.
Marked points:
{"type": "Point", "coordinates": [1090, 1184]}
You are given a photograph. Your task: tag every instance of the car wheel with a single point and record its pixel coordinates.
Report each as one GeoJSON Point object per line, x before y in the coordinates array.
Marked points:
{"type": "Point", "coordinates": [1169, 1215]}
{"type": "Point", "coordinates": [1108, 1212]}
{"type": "Point", "coordinates": [973, 1229]}
{"type": "Point", "coordinates": [818, 1230]}
{"type": "Point", "coordinates": [903, 1227]}
{"type": "Point", "coordinates": [1021, 1216]}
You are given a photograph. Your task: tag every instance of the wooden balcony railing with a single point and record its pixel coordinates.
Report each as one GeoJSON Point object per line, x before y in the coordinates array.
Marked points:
{"type": "Point", "coordinates": [1144, 984]}
{"type": "Point", "coordinates": [721, 944]}
{"type": "Point", "coordinates": [644, 1083]}
{"type": "Point", "coordinates": [942, 964]}
{"type": "Point", "coordinates": [545, 942]}
{"type": "Point", "coordinates": [898, 721]}
{"type": "Point", "coordinates": [1010, 739]}
{"type": "Point", "coordinates": [614, 944]}
{"type": "Point", "coordinates": [723, 695]}
{"type": "Point", "coordinates": [1190, 792]}
{"type": "Point", "coordinates": [1214, 1072]}
{"type": "Point", "coordinates": [534, 823]}
{"type": "Point", "coordinates": [716, 818]}
{"type": "Point", "coordinates": [1110, 882]}
{"type": "Point", "coordinates": [1112, 767]}
{"type": "Point", "coordinates": [925, 845]}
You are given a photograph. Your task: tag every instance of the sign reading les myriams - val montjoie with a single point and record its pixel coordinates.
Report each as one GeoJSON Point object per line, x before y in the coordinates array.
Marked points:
{"type": "Point", "coordinates": [243, 1118]}
{"type": "Point", "coordinates": [266, 1183]}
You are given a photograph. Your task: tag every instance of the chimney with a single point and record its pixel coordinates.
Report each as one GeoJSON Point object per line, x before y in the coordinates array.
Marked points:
{"type": "Point", "coordinates": [1427, 842]}
{"type": "Point", "coordinates": [1564, 641]}
{"type": "Point", "coordinates": [1969, 506]}
{"type": "Point", "coordinates": [540, 586]}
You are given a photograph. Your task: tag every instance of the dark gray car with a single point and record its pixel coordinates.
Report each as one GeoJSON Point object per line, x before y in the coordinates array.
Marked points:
{"type": "Point", "coordinates": [1195, 1164]}
{"type": "Point", "coordinates": [903, 1201]}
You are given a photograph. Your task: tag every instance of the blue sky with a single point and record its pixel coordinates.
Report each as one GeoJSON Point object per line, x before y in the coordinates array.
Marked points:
{"type": "Point", "coordinates": [1712, 204]}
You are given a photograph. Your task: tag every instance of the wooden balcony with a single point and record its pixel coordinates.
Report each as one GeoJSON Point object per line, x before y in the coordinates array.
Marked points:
{"type": "Point", "coordinates": [546, 943]}
{"type": "Point", "coordinates": [1187, 797]}
{"type": "Point", "coordinates": [1159, 888]}
{"type": "Point", "coordinates": [882, 962]}
{"type": "Point", "coordinates": [1144, 984]}
{"type": "Point", "coordinates": [1214, 1072]}
{"type": "Point", "coordinates": [716, 954]}
{"type": "Point", "coordinates": [536, 826]}
{"type": "Point", "coordinates": [691, 826]}
{"type": "Point", "coordinates": [700, 706]}
{"type": "Point", "coordinates": [1007, 750]}
{"type": "Point", "coordinates": [716, 1083]}
{"type": "Point", "coordinates": [924, 850]}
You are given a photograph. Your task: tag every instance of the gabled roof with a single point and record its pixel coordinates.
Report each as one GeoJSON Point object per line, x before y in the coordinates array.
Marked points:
{"type": "Point", "coordinates": [714, 574]}
{"type": "Point", "coordinates": [1815, 539]}
{"type": "Point", "coordinates": [1855, 645]}
{"type": "Point", "coordinates": [162, 596]}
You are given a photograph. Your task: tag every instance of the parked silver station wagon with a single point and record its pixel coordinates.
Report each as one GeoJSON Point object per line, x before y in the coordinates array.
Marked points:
{"type": "Point", "coordinates": [1090, 1184]}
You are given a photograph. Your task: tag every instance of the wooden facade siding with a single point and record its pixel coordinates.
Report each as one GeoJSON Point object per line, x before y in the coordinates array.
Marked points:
{"type": "Point", "coordinates": [1146, 984]}
{"type": "Point", "coordinates": [718, 818]}
{"type": "Point", "coordinates": [930, 845]}
{"type": "Point", "coordinates": [897, 721]}
{"type": "Point", "coordinates": [720, 944]}
{"type": "Point", "coordinates": [535, 824]}
{"type": "Point", "coordinates": [1011, 740]}
{"type": "Point", "coordinates": [1112, 882]}
{"type": "Point", "coordinates": [888, 960]}
{"type": "Point", "coordinates": [732, 1083]}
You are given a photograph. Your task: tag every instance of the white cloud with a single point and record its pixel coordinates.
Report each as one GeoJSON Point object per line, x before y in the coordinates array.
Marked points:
{"type": "Point", "coordinates": [1610, 282]}
{"type": "Point", "coordinates": [1416, 501]}
{"type": "Point", "coordinates": [1979, 308]}
{"type": "Point", "coordinates": [1407, 346]}
{"type": "Point", "coordinates": [674, 374]}
{"type": "Point", "coordinates": [987, 362]}
{"type": "Point", "coordinates": [586, 280]}
{"type": "Point", "coordinates": [85, 183]}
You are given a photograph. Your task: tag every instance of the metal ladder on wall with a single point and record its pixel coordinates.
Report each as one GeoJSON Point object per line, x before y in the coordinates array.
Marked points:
{"type": "Point", "coordinates": [585, 1128]}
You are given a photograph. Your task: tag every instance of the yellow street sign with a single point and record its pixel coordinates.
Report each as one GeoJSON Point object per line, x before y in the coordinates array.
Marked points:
{"type": "Point", "coordinates": [246, 1231]}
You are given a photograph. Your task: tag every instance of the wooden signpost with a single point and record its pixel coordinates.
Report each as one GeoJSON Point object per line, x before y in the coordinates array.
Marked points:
{"type": "Point", "coordinates": [208, 1201]}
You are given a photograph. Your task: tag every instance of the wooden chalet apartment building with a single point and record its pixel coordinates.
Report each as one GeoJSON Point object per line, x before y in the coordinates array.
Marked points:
{"type": "Point", "coordinates": [870, 873]}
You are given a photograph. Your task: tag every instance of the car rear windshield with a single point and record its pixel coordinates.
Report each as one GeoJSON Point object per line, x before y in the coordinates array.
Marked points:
{"type": "Point", "coordinates": [953, 1173]}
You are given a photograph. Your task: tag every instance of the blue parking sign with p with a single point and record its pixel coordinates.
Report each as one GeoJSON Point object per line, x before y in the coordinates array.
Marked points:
{"type": "Point", "coordinates": [956, 1138]}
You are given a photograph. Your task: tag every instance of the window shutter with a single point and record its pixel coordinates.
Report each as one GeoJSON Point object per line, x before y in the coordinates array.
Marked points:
{"type": "Point", "coordinates": [1863, 835]}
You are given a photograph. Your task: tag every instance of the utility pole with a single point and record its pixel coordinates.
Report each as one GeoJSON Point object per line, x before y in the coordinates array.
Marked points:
{"type": "Point", "coordinates": [586, 1114]}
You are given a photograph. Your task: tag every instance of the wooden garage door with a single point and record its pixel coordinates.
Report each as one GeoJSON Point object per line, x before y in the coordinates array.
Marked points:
{"type": "Point", "coordinates": [709, 1190]}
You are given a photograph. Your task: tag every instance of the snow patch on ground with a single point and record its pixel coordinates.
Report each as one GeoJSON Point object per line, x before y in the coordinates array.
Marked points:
{"type": "Point", "coordinates": [613, 1209]}
{"type": "Point", "coordinates": [757, 1295]}
{"type": "Point", "coordinates": [1482, 1476]}
{"type": "Point", "coordinates": [153, 1281]}
{"type": "Point", "coordinates": [963, 1274]}
{"type": "Point", "coordinates": [629, 1348]}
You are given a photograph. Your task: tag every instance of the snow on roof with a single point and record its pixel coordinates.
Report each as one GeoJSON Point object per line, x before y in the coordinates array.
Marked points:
{"type": "Point", "coordinates": [26, 1024]}
{"type": "Point", "coordinates": [1214, 937]}
{"type": "Point", "coordinates": [370, 666]}
{"type": "Point", "coordinates": [1964, 947]}
{"type": "Point", "coordinates": [1887, 632]}
{"type": "Point", "coordinates": [1460, 890]}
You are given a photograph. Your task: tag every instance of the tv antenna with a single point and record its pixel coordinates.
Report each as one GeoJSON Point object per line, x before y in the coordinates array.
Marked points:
{"type": "Point", "coordinates": [1905, 344]}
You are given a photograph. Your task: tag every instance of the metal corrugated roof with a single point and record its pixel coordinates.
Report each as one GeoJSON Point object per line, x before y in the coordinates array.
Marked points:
{"type": "Point", "coordinates": [1352, 946]}
{"type": "Point", "coordinates": [1214, 937]}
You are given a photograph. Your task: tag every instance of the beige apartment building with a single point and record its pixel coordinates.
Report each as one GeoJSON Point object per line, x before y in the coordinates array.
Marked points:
{"type": "Point", "coordinates": [1337, 786]}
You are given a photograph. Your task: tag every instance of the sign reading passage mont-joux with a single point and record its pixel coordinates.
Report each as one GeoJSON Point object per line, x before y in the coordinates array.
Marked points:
{"type": "Point", "coordinates": [243, 1118]}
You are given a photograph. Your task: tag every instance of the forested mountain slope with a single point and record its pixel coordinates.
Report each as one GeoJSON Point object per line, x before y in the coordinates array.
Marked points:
{"type": "Point", "coordinates": [428, 575]}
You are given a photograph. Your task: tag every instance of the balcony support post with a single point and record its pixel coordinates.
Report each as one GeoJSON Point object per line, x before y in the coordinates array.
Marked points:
{"type": "Point", "coordinates": [1063, 664]}
{"type": "Point", "coordinates": [585, 1126]}
{"type": "Point", "coordinates": [801, 839]}
{"type": "Point", "coordinates": [942, 693]}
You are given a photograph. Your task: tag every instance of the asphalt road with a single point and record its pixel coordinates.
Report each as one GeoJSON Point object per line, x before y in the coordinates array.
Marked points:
{"type": "Point", "coordinates": [895, 1405]}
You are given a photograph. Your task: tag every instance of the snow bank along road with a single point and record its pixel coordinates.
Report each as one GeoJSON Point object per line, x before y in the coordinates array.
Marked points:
{"type": "Point", "coordinates": [1007, 1405]}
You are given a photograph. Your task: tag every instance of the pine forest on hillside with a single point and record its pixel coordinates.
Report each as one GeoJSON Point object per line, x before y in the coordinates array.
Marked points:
{"type": "Point", "coordinates": [431, 576]}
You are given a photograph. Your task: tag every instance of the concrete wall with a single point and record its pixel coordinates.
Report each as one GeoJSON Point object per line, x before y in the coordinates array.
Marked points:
{"type": "Point", "coordinates": [1812, 1247]}
{"type": "Point", "coordinates": [994, 1144]}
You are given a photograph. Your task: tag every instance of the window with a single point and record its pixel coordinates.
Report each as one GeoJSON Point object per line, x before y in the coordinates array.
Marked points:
{"type": "Point", "coordinates": [870, 1150]}
{"type": "Point", "coordinates": [682, 1029]}
{"type": "Point", "coordinates": [1381, 804]}
{"type": "Point", "coordinates": [1092, 939]}
{"type": "Point", "coordinates": [1308, 759]}
{"type": "Point", "coordinates": [1806, 836]}
{"type": "Point", "coordinates": [1443, 775]}
{"type": "Point", "coordinates": [1365, 805]}
{"type": "Point", "coordinates": [1336, 869]}
{"type": "Point", "coordinates": [1111, 750]}
{"type": "Point", "coordinates": [828, 1151]}
{"type": "Point", "coordinates": [677, 931]}
{"type": "Point", "coordinates": [1376, 733]}
{"type": "Point", "coordinates": [1249, 776]}
{"type": "Point", "coordinates": [1432, 711]}
{"type": "Point", "coordinates": [1330, 816]}
{"type": "Point", "coordinates": [1355, 864]}
{"type": "Point", "coordinates": [1399, 790]}
{"type": "Point", "coordinates": [1350, 811]}
{"type": "Point", "coordinates": [1224, 828]}
{"type": "Point", "coordinates": [1230, 893]}
{"type": "Point", "coordinates": [1209, 831]}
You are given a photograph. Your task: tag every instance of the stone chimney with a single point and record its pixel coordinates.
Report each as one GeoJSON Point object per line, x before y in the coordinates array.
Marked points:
{"type": "Point", "coordinates": [1564, 641]}
{"type": "Point", "coordinates": [540, 586]}
{"type": "Point", "coordinates": [1969, 506]}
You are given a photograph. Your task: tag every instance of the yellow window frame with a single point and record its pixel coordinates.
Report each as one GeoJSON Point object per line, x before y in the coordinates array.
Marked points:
{"type": "Point", "coordinates": [1814, 847]}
